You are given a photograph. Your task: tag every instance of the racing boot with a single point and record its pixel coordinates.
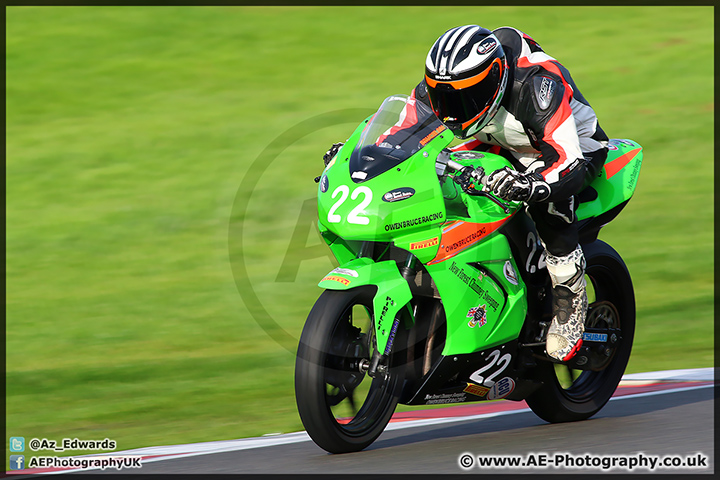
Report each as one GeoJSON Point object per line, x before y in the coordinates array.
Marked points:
{"type": "Point", "coordinates": [569, 306]}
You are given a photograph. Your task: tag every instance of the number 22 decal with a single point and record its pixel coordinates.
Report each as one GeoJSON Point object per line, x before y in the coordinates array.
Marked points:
{"type": "Point", "coordinates": [355, 214]}
{"type": "Point", "coordinates": [494, 358]}
{"type": "Point", "coordinates": [532, 265]}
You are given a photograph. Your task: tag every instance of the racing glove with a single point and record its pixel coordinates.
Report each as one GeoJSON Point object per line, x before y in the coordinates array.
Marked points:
{"type": "Point", "coordinates": [510, 184]}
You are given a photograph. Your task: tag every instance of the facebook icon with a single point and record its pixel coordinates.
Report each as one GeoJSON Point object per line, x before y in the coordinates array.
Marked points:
{"type": "Point", "coordinates": [17, 462]}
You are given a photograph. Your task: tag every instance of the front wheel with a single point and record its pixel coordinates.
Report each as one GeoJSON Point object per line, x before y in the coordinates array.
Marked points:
{"type": "Point", "coordinates": [341, 407]}
{"type": "Point", "coordinates": [570, 395]}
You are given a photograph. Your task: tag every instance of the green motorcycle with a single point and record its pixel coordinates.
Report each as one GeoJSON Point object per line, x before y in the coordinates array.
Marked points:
{"type": "Point", "coordinates": [442, 295]}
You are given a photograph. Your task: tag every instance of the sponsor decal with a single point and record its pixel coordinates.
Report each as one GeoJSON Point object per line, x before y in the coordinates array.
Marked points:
{"type": "Point", "coordinates": [547, 89]}
{"type": "Point", "coordinates": [476, 390]}
{"type": "Point", "coordinates": [335, 278]}
{"type": "Point", "coordinates": [391, 337]}
{"type": "Point", "coordinates": [478, 316]}
{"type": "Point", "coordinates": [397, 98]}
{"type": "Point", "coordinates": [445, 398]}
{"type": "Point", "coordinates": [501, 389]}
{"type": "Point", "coordinates": [485, 295]}
{"type": "Point", "coordinates": [388, 303]}
{"type": "Point", "coordinates": [569, 169]}
{"type": "Point", "coordinates": [509, 272]}
{"type": "Point", "coordinates": [432, 135]}
{"type": "Point", "coordinates": [414, 222]}
{"type": "Point", "coordinates": [467, 240]}
{"type": "Point", "coordinates": [488, 45]}
{"type": "Point", "coordinates": [424, 244]}
{"type": "Point", "coordinates": [359, 174]}
{"type": "Point", "coordinates": [460, 273]}
{"type": "Point", "coordinates": [633, 176]}
{"type": "Point", "coordinates": [449, 119]}
{"type": "Point", "coordinates": [475, 286]}
{"type": "Point", "coordinates": [459, 235]}
{"type": "Point", "coordinates": [345, 271]}
{"type": "Point", "coordinates": [324, 184]}
{"type": "Point", "coordinates": [594, 337]}
{"type": "Point", "coordinates": [398, 194]}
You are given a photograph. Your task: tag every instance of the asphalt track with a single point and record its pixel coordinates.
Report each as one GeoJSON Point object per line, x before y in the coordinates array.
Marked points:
{"type": "Point", "coordinates": [652, 416]}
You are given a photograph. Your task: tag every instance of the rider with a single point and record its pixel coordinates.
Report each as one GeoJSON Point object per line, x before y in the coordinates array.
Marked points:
{"type": "Point", "coordinates": [502, 89]}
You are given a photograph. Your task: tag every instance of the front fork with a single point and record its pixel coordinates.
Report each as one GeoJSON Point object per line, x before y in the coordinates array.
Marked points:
{"type": "Point", "coordinates": [377, 365]}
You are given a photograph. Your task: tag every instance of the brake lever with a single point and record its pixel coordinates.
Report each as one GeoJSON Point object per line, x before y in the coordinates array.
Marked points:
{"type": "Point", "coordinates": [493, 198]}
{"type": "Point", "coordinates": [466, 177]}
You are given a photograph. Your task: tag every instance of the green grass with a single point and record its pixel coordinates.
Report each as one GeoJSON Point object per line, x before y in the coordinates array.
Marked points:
{"type": "Point", "coordinates": [130, 130]}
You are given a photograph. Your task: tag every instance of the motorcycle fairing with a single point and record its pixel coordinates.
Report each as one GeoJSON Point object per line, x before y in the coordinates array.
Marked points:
{"type": "Point", "coordinates": [473, 377]}
{"type": "Point", "coordinates": [392, 293]}
{"type": "Point", "coordinates": [617, 180]}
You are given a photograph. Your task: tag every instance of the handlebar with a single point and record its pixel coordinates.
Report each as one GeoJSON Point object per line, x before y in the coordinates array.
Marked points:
{"type": "Point", "coordinates": [477, 174]}
{"type": "Point", "coordinates": [468, 175]}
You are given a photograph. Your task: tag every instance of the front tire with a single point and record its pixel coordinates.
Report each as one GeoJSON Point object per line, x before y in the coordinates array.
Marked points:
{"type": "Point", "coordinates": [341, 407]}
{"type": "Point", "coordinates": [570, 395]}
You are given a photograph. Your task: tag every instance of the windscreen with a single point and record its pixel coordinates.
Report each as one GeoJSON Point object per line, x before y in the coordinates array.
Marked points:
{"type": "Point", "coordinates": [400, 128]}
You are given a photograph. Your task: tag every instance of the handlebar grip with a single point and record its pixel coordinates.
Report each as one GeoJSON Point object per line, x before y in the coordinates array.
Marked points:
{"type": "Point", "coordinates": [480, 177]}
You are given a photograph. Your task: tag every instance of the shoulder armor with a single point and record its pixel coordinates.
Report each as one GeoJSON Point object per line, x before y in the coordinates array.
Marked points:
{"type": "Point", "coordinates": [544, 88]}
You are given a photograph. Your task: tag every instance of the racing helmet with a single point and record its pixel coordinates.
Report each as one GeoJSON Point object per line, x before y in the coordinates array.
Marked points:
{"type": "Point", "coordinates": [466, 75]}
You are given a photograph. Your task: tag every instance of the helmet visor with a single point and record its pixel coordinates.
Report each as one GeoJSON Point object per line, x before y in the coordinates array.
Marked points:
{"type": "Point", "coordinates": [456, 107]}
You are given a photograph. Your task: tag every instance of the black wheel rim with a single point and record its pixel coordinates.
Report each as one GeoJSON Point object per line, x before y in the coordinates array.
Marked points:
{"type": "Point", "coordinates": [581, 385]}
{"type": "Point", "coordinates": [355, 401]}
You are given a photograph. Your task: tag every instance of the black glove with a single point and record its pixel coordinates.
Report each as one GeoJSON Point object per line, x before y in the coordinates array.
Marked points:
{"type": "Point", "coordinates": [332, 152]}
{"type": "Point", "coordinates": [510, 184]}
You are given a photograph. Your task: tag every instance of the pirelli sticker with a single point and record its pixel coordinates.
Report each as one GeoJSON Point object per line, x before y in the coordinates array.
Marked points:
{"type": "Point", "coordinates": [335, 278]}
{"type": "Point", "coordinates": [476, 390]}
{"type": "Point", "coordinates": [424, 244]}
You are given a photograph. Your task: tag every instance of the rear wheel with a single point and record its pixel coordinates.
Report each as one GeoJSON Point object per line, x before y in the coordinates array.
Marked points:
{"type": "Point", "coordinates": [570, 395]}
{"type": "Point", "coordinates": [342, 408]}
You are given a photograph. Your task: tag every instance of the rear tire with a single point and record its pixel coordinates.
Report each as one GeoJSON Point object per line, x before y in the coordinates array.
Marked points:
{"type": "Point", "coordinates": [328, 380]}
{"type": "Point", "coordinates": [571, 395]}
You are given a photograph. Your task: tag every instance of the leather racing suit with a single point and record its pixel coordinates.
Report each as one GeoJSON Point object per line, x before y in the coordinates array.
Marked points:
{"type": "Point", "coordinates": [544, 125]}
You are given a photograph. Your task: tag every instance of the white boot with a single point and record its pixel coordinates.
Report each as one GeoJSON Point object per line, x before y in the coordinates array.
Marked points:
{"type": "Point", "coordinates": [569, 306]}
